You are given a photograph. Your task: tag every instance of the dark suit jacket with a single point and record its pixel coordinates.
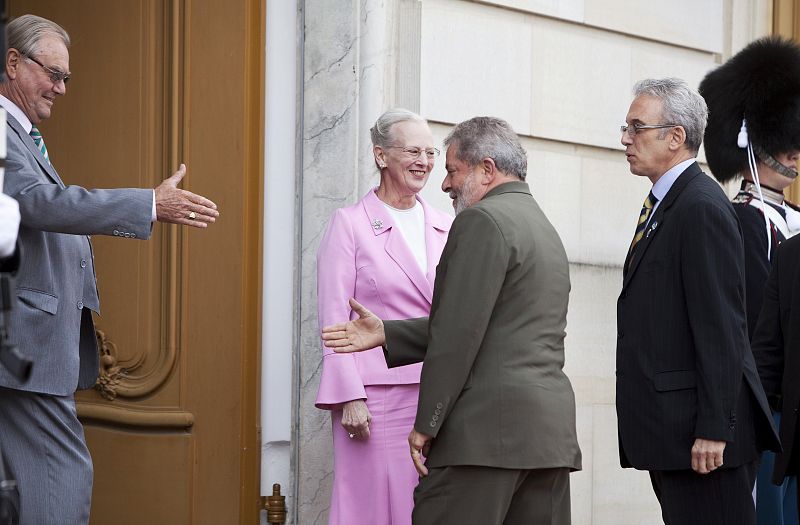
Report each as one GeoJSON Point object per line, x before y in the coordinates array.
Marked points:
{"type": "Point", "coordinates": [52, 323]}
{"type": "Point", "coordinates": [493, 392]}
{"type": "Point", "coordinates": [776, 346]}
{"type": "Point", "coordinates": [684, 367]}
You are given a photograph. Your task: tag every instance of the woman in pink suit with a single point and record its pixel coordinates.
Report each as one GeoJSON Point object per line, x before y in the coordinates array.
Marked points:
{"type": "Point", "coordinates": [382, 251]}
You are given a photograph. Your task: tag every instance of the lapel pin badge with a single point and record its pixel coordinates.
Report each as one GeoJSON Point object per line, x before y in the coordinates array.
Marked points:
{"type": "Point", "coordinates": [651, 229]}
{"type": "Point", "coordinates": [377, 224]}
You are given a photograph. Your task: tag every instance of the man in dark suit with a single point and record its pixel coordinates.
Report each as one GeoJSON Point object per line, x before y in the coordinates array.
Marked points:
{"type": "Point", "coordinates": [40, 435]}
{"type": "Point", "coordinates": [776, 346]}
{"type": "Point", "coordinates": [496, 413]}
{"type": "Point", "coordinates": [690, 406]}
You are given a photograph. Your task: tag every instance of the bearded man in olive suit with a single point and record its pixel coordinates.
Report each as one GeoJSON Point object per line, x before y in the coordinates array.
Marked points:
{"type": "Point", "coordinates": [496, 413]}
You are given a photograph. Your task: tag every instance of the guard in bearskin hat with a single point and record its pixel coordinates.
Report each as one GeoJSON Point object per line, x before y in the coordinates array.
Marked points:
{"type": "Point", "coordinates": [753, 132]}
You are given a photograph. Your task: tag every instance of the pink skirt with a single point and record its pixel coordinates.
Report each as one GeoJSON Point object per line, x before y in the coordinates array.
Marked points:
{"type": "Point", "coordinates": [374, 479]}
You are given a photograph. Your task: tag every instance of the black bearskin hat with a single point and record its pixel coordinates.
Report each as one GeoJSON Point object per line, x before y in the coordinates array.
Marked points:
{"type": "Point", "coordinates": [761, 83]}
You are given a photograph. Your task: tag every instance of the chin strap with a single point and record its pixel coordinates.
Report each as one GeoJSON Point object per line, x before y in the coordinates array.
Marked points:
{"type": "Point", "coordinates": [770, 161]}
{"type": "Point", "coordinates": [743, 141]}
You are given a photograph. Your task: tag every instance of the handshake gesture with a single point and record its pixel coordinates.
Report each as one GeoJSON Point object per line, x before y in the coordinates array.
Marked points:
{"type": "Point", "coordinates": [362, 334]}
{"type": "Point", "coordinates": [355, 336]}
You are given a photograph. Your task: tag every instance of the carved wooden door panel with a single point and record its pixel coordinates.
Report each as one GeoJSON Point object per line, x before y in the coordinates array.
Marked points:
{"type": "Point", "coordinates": [172, 424]}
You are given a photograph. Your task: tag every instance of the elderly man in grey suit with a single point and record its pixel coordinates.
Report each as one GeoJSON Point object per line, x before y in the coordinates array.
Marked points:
{"type": "Point", "coordinates": [496, 413]}
{"type": "Point", "coordinates": [40, 435]}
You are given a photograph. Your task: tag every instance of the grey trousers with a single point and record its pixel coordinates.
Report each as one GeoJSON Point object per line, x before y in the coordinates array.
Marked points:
{"type": "Point", "coordinates": [43, 445]}
{"type": "Point", "coordinates": [463, 495]}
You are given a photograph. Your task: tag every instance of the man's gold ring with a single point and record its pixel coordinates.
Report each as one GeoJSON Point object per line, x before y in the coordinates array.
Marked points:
{"type": "Point", "coordinates": [192, 215]}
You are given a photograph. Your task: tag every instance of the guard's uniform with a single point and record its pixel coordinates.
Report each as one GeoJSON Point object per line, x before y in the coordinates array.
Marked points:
{"type": "Point", "coordinates": [784, 219]}
{"type": "Point", "coordinates": [773, 503]}
{"type": "Point", "coordinates": [753, 119]}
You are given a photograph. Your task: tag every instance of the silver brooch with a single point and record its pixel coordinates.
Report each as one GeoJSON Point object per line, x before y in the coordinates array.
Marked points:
{"type": "Point", "coordinates": [377, 224]}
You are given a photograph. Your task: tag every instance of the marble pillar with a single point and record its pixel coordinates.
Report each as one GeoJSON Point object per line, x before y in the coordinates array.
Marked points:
{"type": "Point", "coordinates": [356, 63]}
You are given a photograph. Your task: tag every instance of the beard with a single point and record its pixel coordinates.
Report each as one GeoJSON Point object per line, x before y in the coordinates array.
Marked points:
{"type": "Point", "coordinates": [466, 195]}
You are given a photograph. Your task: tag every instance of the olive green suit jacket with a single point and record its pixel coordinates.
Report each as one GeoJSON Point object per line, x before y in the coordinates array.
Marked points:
{"type": "Point", "coordinates": [493, 392]}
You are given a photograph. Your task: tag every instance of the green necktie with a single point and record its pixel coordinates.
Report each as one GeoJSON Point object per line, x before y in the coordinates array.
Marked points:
{"type": "Point", "coordinates": [36, 135]}
{"type": "Point", "coordinates": [644, 215]}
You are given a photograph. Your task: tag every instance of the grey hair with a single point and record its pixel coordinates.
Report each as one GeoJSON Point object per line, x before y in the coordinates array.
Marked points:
{"type": "Point", "coordinates": [381, 132]}
{"type": "Point", "coordinates": [24, 33]}
{"type": "Point", "coordinates": [482, 137]}
{"type": "Point", "coordinates": [683, 106]}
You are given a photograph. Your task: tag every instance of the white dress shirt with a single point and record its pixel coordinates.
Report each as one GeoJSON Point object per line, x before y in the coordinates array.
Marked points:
{"type": "Point", "coordinates": [411, 223]}
{"type": "Point", "coordinates": [663, 185]}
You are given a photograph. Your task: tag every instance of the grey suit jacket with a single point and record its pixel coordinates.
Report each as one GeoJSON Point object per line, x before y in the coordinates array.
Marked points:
{"type": "Point", "coordinates": [493, 392]}
{"type": "Point", "coordinates": [51, 323]}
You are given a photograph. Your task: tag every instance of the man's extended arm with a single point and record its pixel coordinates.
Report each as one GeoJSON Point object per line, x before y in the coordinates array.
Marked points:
{"type": "Point", "coordinates": [406, 341]}
{"type": "Point", "coordinates": [47, 206]}
{"type": "Point", "coordinates": [408, 338]}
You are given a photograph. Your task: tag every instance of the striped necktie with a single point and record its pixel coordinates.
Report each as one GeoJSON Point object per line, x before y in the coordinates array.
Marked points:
{"type": "Point", "coordinates": [644, 215]}
{"type": "Point", "coordinates": [36, 135]}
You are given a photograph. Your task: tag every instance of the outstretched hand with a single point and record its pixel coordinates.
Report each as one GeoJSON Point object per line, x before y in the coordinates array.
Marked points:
{"type": "Point", "coordinates": [183, 207]}
{"type": "Point", "coordinates": [355, 336]}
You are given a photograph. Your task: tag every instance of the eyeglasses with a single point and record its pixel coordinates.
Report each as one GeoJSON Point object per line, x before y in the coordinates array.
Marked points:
{"type": "Point", "coordinates": [55, 75]}
{"type": "Point", "coordinates": [414, 153]}
{"type": "Point", "coordinates": [633, 129]}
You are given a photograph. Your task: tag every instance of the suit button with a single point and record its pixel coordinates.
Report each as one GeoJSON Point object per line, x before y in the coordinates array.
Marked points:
{"type": "Point", "coordinates": [83, 263]}
{"type": "Point", "coordinates": [133, 236]}
{"type": "Point", "coordinates": [435, 417]}
{"type": "Point", "coordinates": [437, 411]}
{"type": "Point", "coordinates": [116, 232]}
{"type": "Point", "coordinates": [80, 305]}
{"type": "Point", "coordinates": [433, 423]}
{"type": "Point", "coordinates": [439, 405]}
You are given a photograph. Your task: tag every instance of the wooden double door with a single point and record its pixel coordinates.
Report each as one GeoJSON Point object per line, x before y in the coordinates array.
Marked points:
{"type": "Point", "coordinates": [173, 422]}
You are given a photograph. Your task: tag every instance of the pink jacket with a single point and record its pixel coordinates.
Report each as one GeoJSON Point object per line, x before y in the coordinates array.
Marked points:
{"type": "Point", "coordinates": [363, 256]}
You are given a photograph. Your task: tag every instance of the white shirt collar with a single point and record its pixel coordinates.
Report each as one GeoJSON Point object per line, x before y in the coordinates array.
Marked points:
{"type": "Point", "coordinates": [662, 185]}
{"type": "Point", "coordinates": [17, 113]}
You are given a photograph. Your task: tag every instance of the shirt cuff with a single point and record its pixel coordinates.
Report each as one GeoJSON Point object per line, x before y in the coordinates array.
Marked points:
{"type": "Point", "coordinates": [153, 216]}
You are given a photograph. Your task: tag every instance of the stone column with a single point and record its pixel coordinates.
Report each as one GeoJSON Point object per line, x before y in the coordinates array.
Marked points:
{"type": "Point", "coordinates": [357, 63]}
